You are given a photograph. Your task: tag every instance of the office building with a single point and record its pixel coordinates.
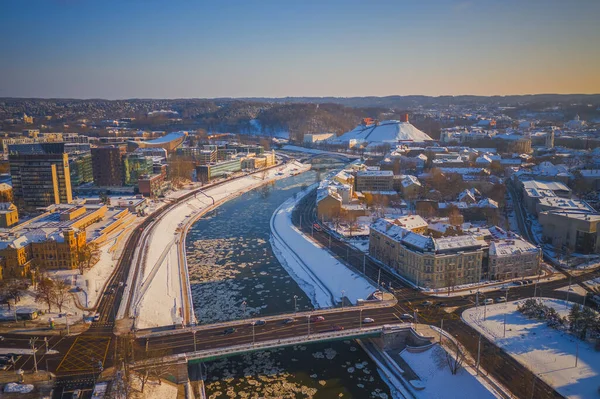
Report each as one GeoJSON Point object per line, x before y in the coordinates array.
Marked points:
{"type": "Point", "coordinates": [375, 180]}
{"type": "Point", "coordinates": [81, 168]}
{"type": "Point", "coordinates": [134, 166]}
{"type": "Point", "coordinates": [40, 175]}
{"type": "Point", "coordinates": [106, 166]}
{"type": "Point", "coordinates": [206, 173]}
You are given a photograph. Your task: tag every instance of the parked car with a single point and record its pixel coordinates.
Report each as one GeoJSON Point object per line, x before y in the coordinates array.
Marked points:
{"type": "Point", "coordinates": [229, 330]}
{"type": "Point", "coordinates": [368, 320]}
{"type": "Point", "coordinates": [518, 283]}
{"type": "Point", "coordinates": [427, 303]}
{"type": "Point", "coordinates": [317, 227]}
{"type": "Point", "coordinates": [406, 316]}
{"type": "Point", "coordinates": [96, 317]}
{"type": "Point", "coordinates": [315, 319]}
{"type": "Point", "coordinates": [501, 299]}
{"type": "Point", "coordinates": [440, 304]}
{"type": "Point", "coordinates": [289, 321]}
{"type": "Point", "coordinates": [258, 323]}
{"type": "Point", "coordinates": [76, 394]}
{"type": "Point", "coordinates": [488, 301]}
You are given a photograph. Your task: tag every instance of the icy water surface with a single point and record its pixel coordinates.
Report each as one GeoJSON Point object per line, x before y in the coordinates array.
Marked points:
{"type": "Point", "coordinates": [231, 262]}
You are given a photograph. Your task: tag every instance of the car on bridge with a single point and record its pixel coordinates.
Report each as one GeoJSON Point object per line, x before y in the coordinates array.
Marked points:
{"type": "Point", "coordinates": [258, 323]}
{"type": "Point", "coordinates": [315, 319]}
{"type": "Point", "coordinates": [368, 320]}
{"type": "Point", "coordinates": [289, 321]}
{"type": "Point", "coordinates": [406, 316]}
{"type": "Point", "coordinates": [337, 327]}
{"type": "Point", "coordinates": [229, 330]}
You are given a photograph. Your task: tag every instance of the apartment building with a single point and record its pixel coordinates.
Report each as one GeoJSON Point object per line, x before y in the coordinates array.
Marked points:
{"type": "Point", "coordinates": [513, 257]}
{"type": "Point", "coordinates": [425, 261]}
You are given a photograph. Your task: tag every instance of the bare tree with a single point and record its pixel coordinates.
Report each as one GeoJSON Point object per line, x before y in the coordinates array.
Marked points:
{"type": "Point", "coordinates": [87, 256]}
{"type": "Point", "coordinates": [61, 294]}
{"type": "Point", "coordinates": [44, 292]}
{"type": "Point", "coordinates": [449, 354]}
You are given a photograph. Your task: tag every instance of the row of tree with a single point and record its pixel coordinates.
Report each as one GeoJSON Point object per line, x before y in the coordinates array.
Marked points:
{"type": "Point", "coordinates": [581, 321]}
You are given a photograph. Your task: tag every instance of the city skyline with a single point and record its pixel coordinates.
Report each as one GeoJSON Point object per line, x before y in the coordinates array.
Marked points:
{"type": "Point", "coordinates": [68, 49]}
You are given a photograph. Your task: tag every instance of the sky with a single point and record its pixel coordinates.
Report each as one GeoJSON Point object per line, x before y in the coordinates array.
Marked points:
{"type": "Point", "coordinates": [279, 48]}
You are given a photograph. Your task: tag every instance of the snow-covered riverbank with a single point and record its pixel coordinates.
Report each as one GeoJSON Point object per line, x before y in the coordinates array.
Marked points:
{"type": "Point", "coordinates": [320, 275]}
{"type": "Point", "coordinates": [162, 302]}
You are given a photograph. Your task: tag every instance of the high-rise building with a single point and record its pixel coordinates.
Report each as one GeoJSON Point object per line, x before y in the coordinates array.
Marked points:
{"type": "Point", "coordinates": [40, 175]}
{"type": "Point", "coordinates": [81, 168]}
{"type": "Point", "coordinates": [134, 166]}
{"type": "Point", "coordinates": [107, 167]}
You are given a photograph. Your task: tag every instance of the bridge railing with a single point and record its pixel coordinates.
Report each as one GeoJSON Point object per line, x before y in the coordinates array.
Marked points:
{"type": "Point", "coordinates": [148, 333]}
{"type": "Point", "coordinates": [275, 343]}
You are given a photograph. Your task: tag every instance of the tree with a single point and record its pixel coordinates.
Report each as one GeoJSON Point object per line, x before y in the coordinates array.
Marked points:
{"type": "Point", "coordinates": [574, 317]}
{"type": "Point", "coordinates": [449, 354]}
{"type": "Point", "coordinates": [104, 198]}
{"type": "Point", "coordinates": [44, 292]}
{"type": "Point", "coordinates": [180, 169]}
{"type": "Point", "coordinates": [87, 256]}
{"type": "Point", "coordinates": [13, 289]}
{"type": "Point", "coordinates": [61, 294]}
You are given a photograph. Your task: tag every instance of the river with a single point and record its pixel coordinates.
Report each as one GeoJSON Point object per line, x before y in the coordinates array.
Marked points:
{"type": "Point", "coordinates": [234, 274]}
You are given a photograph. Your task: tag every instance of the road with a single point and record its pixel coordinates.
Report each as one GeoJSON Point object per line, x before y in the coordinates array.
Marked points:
{"type": "Point", "coordinates": [87, 354]}
{"type": "Point", "coordinates": [410, 301]}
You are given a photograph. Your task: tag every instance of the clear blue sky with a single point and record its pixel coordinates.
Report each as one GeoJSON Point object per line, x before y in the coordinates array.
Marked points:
{"type": "Point", "coordinates": [171, 49]}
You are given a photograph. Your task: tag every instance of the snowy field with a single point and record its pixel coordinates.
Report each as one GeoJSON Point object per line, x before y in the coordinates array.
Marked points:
{"type": "Point", "coordinates": [163, 299]}
{"type": "Point", "coordinates": [547, 352]}
{"type": "Point", "coordinates": [439, 382]}
{"type": "Point", "coordinates": [316, 271]}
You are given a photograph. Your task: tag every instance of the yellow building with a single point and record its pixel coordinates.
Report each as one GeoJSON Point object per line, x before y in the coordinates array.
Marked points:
{"type": "Point", "coordinates": [6, 193]}
{"type": "Point", "coordinates": [427, 262]}
{"type": "Point", "coordinates": [53, 239]}
{"type": "Point", "coordinates": [9, 215]}
{"type": "Point", "coordinates": [59, 251]}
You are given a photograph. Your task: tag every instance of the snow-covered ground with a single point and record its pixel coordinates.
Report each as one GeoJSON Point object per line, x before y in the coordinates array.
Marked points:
{"type": "Point", "coordinates": [315, 270]}
{"type": "Point", "coordinates": [162, 301]}
{"type": "Point", "coordinates": [439, 381]}
{"type": "Point", "coordinates": [153, 389]}
{"type": "Point", "coordinates": [549, 353]}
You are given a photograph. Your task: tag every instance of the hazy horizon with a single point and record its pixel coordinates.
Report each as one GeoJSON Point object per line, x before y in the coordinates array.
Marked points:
{"type": "Point", "coordinates": [270, 49]}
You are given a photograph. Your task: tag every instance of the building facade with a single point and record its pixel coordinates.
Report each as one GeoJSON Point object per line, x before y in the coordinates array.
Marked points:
{"type": "Point", "coordinates": [40, 175]}
{"type": "Point", "coordinates": [135, 166]}
{"type": "Point", "coordinates": [374, 180]}
{"type": "Point", "coordinates": [107, 167]}
{"type": "Point", "coordinates": [205, 173]}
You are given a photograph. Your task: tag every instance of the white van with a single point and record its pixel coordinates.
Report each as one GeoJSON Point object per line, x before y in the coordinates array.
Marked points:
{"type": "Point", "coordinates": [488, 301]}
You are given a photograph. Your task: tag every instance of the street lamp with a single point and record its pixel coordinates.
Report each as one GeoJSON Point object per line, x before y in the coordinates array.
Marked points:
{"type": "Point", "coordinates": [295, 304]}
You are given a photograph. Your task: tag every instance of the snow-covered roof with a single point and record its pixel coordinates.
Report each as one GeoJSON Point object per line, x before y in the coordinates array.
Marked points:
{"type": "Point", "coordinates": [411, 222]}
{"type": "Point", "coordinates": [457, 243]}
{"type": "Point", "coordinates": [386, 173]}
{"type": "Point", "coordinates": [409, 180]}
{"type": "Point", "coordinates": [566, 204]}
{"type": "Point", "coordinates": [390, 131]}
{"type": "Point", "coordinates": [513, 246]}
{"type": "Point", "coordinates": [545, 185]}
